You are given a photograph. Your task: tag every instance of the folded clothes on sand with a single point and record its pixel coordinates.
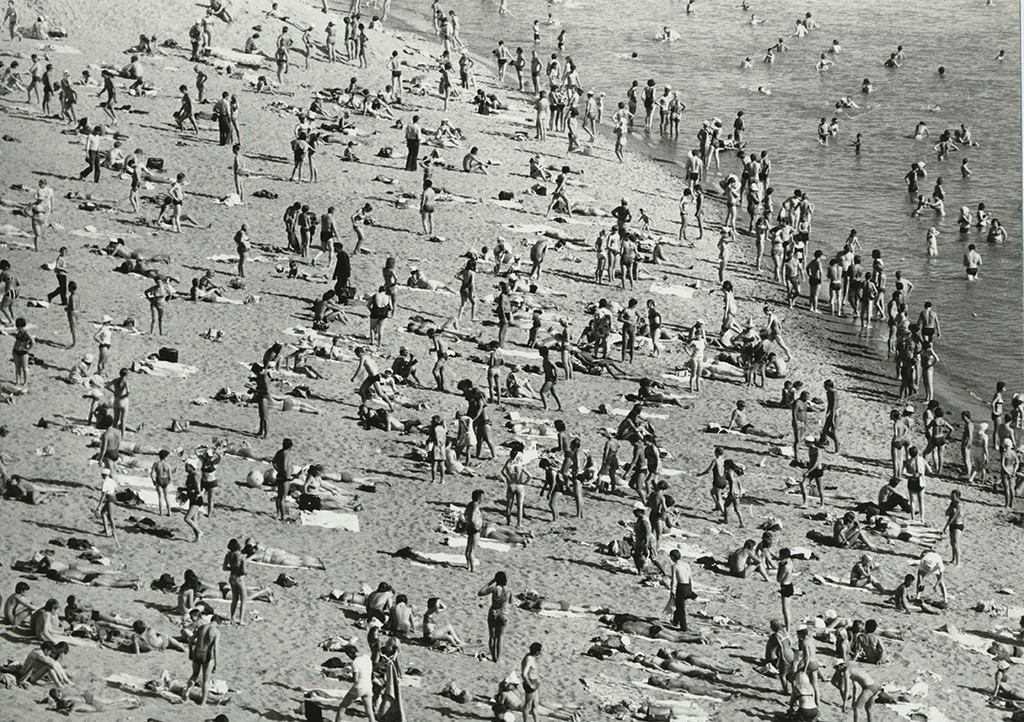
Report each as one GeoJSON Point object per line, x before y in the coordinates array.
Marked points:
{"type": "Point", "coordinates": [330, 519]}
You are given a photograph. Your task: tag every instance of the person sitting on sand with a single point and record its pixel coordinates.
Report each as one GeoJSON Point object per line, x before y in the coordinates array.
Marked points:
{"type": "Point", "coordinates": [434, 630]}
{"type": "Point", "coordinates": [861, 575]}
{"type": "Point", "coordinates": [42, 664]}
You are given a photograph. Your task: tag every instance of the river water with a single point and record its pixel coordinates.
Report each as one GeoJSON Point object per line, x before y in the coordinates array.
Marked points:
{"type": "Point", "coordinates": [982, 322]}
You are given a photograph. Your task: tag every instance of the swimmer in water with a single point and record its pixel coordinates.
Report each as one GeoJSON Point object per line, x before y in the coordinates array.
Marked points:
{"type": "Point", "coordinates": [856, 144]}
{"type": "Point", "coordinates": [921, 131]}
{"type": "Point", "coordinates": [667, 34]}
{"type": "Point", "coordinates": [764, 90]}
{"type": "Point", "coordinates": [823, 131]}
{"type": "Point", "coordinates": [892, 62]}
{"type": "Point", "coordinates": [866, 86]}
{"type": "Point", "coordinates": [754, 20]}
{"type": "Point", "coordinates": [932, 241]}
{"type": "Point", "coordinates": [1002, 56]}
{"type": "Point", "coordinates": [965, 171]}
{"type": "Point", "coordinates": [836, 48]}
{"type": "Point", "coordinates": [769, 56]}
{"type": "Point", "coordinates": [823, 63]}
{"type": "Point", "coordinates": [746, 63]}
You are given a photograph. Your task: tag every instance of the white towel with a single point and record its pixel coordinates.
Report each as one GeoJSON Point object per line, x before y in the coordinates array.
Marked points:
{"type": "Point", "coordinates": [459, 542]}
{"type": "Point", "coordinates": [344, 520]}
{"type": "Point", "coordinates": [668, 289]}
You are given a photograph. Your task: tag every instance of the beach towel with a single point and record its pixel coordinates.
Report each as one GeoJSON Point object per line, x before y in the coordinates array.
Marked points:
{"type": "Point", "coordinates": [156, 367]}
{"type": "Point", "coordinates": [459, 542]}
{"type": "Point", "coordinates": [967, 641]}
{"type": "Point", "coordinates": [343, 520]}
{"type": "Point", "coordinates": [687, 550]}
{"type": "Point", "coordinates": [234, 56]}
{"type": "Point", "coordinates": [452, 560]}
{"type": "Point", "coordinates": [144, 489]}
{"type": "Point", "coordinates": [669, 289]}
{"type": "Point", "coordinates": [522, 352]}
{"type": "Point", "coordinates": [918, 712]}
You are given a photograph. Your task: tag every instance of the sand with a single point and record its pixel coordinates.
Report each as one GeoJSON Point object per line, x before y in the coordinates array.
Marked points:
{"type": "Point", "coordinates": [269, 660]}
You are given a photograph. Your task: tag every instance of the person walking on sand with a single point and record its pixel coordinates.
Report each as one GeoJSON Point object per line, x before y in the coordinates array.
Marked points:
{"type": "Point", "coordinates": [194, 494]}
{"type": "Point", "coordinates": [680, 588]}
{"type": "Point", "coordinates": [830, 426]}
{"type": "Point", "coordinates": [362, 684]}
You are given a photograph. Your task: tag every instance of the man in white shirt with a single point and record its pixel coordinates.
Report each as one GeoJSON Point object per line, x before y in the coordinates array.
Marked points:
{"type": "Point", "coordinates": [680, 588]}
{"type": "Point", "coordinates": [362, 684]}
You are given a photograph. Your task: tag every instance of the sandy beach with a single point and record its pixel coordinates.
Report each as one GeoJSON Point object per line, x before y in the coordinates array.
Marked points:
{"type": "Point", "coordinates": [268, 663]}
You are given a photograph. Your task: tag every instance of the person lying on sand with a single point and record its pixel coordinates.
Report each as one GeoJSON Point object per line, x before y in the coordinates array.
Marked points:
{"type": "Point", "coordinates": [65, 702]}
{"type": "Point", "coordinates": [690, 686]}
{"type": "Point", "coordinates": [118, 249]}
{"type": "Point", "coordinates": [639, 626]}
{"type": "Point", "coordinates": [507, 704]}
{"type": "Point", "coordinates": [146, 639]}
{"type": "Point", "coordinates": [257, 552]}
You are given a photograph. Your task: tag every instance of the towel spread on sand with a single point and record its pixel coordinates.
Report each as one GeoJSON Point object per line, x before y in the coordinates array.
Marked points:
{"type": "Point", "coordinates": [343, 520]}
{"type": "Point", "coordinates": [156, 367]}
{"type": "Point", "coordinates": [459, 542]}
{"type": "Point", "coordinates": [918, 712]}
{"type": "Point", "coordinates": [688, 551]}
{"type": "Point", "coordinates": [968, 641]}
{"type": "Point", "coordinates": [144, 489]}
{"type": "Point", "coordinates": [454, 560]}
{"type": "Point", "coordinates": [234, 56]}
{"type": "Point", "coordinates": [669, 289]}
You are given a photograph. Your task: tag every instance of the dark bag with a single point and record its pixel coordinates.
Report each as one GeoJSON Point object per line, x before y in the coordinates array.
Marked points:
{"type": "Point", "coordinates": [506, 195]}
{"type": "Point", "coordinates": [309, 502]}
{"type": "Point", "coordinates": [168, 354]}
{"type": "Point", "coordinates": [156, 164]}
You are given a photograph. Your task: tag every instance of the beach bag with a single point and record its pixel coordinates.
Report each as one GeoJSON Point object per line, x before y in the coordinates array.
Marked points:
{"type": "Point", "coordinates": [168, 354]}
{"type": "Point", "coordinates": [658, 713]}
{"type": "Point", "coordinates": [312, 711]}
{"type": "Point", "coordinates": [309, 502]}
{"type": "Point", "coordinates": [156, 164]}
{"type": "Point", "coordinates": [506, 195]}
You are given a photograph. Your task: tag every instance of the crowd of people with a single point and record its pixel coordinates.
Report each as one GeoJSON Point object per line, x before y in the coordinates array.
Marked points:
{"type": "Point", "coordinates": [521, 345]}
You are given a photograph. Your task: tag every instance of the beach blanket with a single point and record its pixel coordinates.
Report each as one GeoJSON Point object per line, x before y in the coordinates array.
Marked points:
{"type": "Point", "coordinates": [522, 352]}
{"type": "Point", "coordinates": [918, 712]}
{"type": "Point", "coordinates": [156, 367]}
{"type": "Point", "coordinates": [459, 542]}
{"type": "Point", "coordinates": [669, 289]}
{"type": "Point", "coordinates": [967, 641]}
{"type": "Point", "coordinates": [343, 520]}
{"type": "Point", "coordinates": [234, 56]}
{"type": "Point", "coordinates": [144, 489]}
{"type": "Point", "coordinates": [687, 550]}
{"type": "Point", "coordinates": [135, 683]}
{"type": "Point", "coordinates": [451, 560]}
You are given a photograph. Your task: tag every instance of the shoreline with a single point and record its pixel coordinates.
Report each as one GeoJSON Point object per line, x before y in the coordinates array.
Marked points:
{"type": "Point", "coordinates": [269, 660]}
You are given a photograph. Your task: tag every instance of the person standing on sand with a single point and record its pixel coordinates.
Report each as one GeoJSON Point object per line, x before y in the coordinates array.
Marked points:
{"type": "Point", "coordinates": [497, 614]}
{"type": "Point", "coordinates": [105, 505]}
{"type": "Point", "coordinates": [474, 519]}
{"type": "Point", "coordinates": [194, 494]}
{"type": "Point", "coordinates": [680, 588]}
{"type": "Point", "coordinates": [71, 308]}
{"type": "Point", "coordinates": [282, 476]}
{"type": "Point", "coordinates": [92, 155]}
{"type": "Point", "coordinates": [412, 143]}
{"type": "Point", "coordinates": [234, 565]}
{"type": "Point", "coordinates": [830, 426]}
{"type": "Point", "coordinates": [530, 673]}
{"type": "Point", "coordinates": [203, 651]}
{"type": "Point", "coordinates": [261, 395]}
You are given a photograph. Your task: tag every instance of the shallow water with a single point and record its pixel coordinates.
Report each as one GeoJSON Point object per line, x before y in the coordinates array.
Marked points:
{"type": "Point", "coordinates": [982, 322]}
